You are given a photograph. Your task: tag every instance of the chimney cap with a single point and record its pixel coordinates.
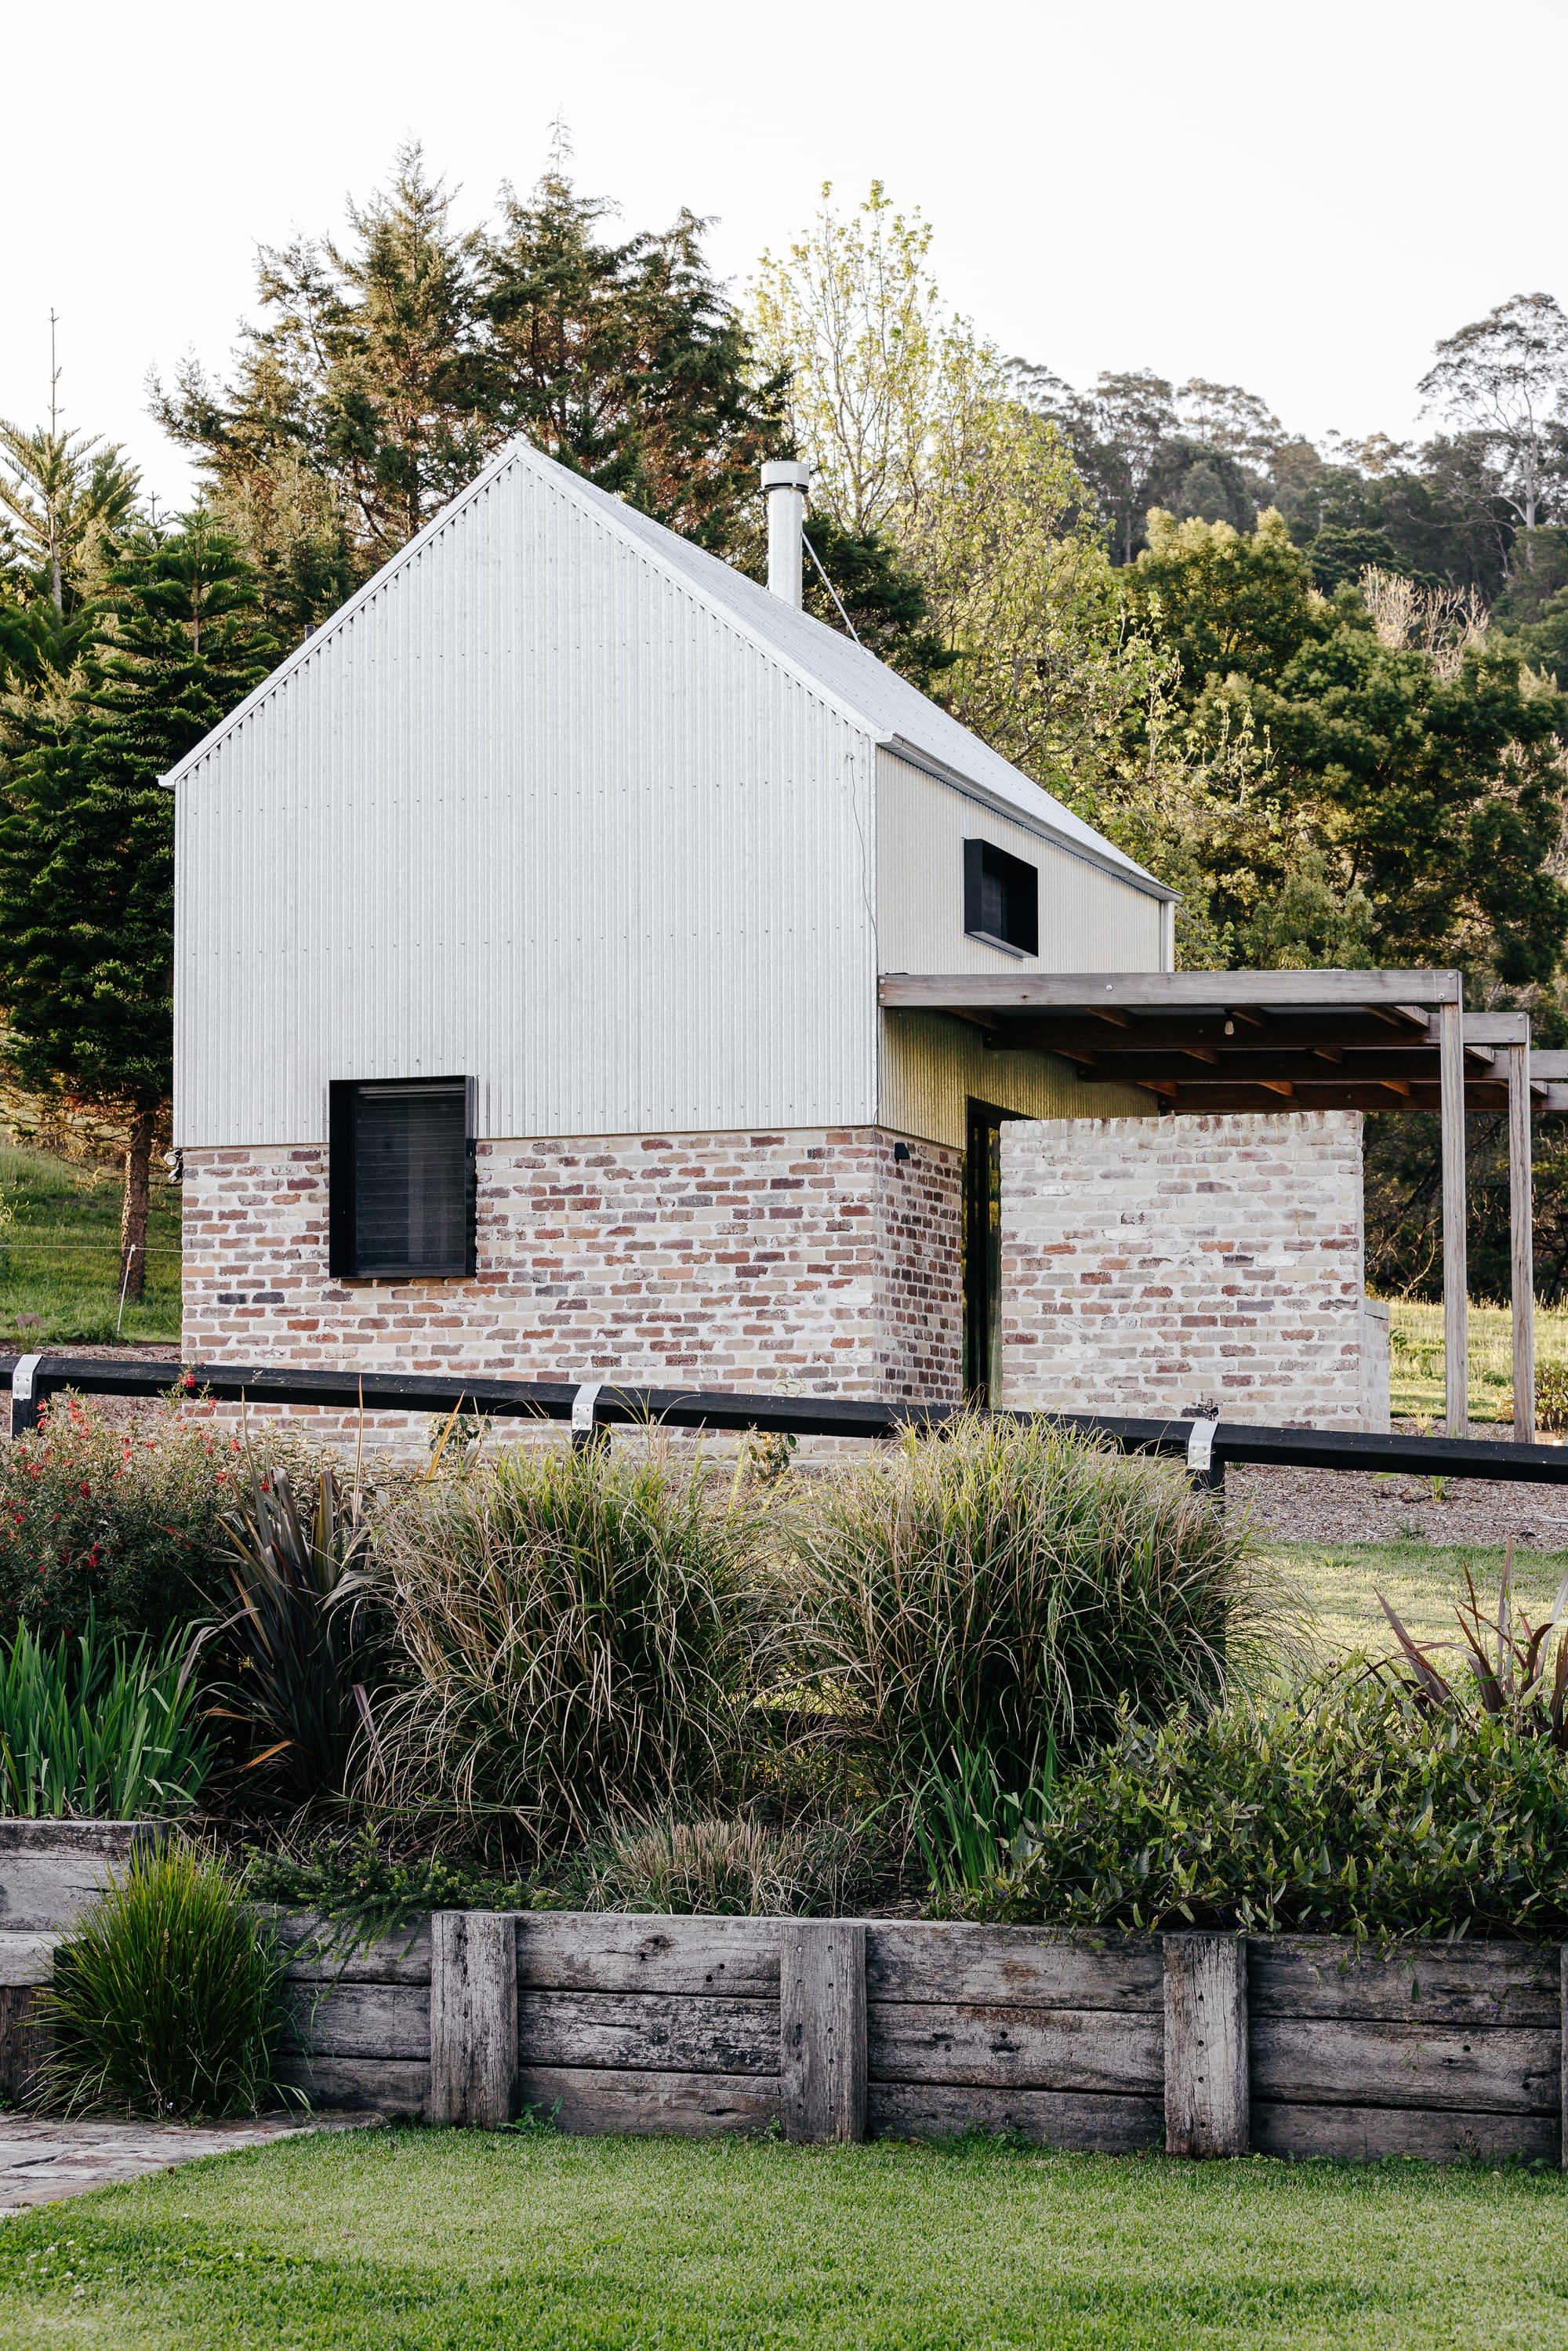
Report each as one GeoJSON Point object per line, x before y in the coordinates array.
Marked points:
{"type": "Point", "coordinates": [785, 473]}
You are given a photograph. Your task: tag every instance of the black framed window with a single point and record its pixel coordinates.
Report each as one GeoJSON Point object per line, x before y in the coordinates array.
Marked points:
{"type": "Point", "coordinates": [1002, 898]}
{"type": "Point", "coordinates": [401, 1180]}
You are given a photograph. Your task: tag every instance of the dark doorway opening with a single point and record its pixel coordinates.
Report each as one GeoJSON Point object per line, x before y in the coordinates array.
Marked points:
{"type": "Point", "coordinates": [983, 1253]}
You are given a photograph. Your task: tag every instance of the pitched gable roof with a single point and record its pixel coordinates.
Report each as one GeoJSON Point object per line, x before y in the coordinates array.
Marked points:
{"type": "Point", "coordinates": [895, 713]}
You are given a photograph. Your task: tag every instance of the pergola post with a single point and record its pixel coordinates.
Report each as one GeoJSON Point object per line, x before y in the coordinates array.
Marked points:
{"type": "Point", "coordinates": [1456, 1276]}
{"type": "Point", "coordinates": [1521, 1243]}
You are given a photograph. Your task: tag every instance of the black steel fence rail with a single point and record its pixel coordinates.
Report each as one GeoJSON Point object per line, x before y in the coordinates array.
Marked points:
{"type": "Point", "coordinates": [1207, 1446]}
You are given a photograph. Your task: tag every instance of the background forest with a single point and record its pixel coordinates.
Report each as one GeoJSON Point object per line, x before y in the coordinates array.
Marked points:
{"type": "Point", "coordinates": [1314, 688]}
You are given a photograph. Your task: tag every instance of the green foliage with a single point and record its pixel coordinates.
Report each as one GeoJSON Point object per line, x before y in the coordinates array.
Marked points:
{"type": "Point", "coordinates": [579, 1632]}
{"type": "Point", "coordinates": [1346, 1810]}
{"type": "Point", "coordinates": [967, 1825]}
{"type": "Point", "coordinates": [63, 495]}
{"type": "Point", "coordinates": [883, 602]}
{"type": "Point", "coordinates": [167, 1998]}
{"type": "Point", "coordinates": [116, 1524]}
{"type": "Point", "coordinates": [365, 1891]}
{"type": "Point", "coordinates": [1551, 1395]}
{"type": "Point", "coordinates": [96, 1731]}
{"type": "Point", "coordinates": [302, 1634]}
{"type": "Point", "coordinates": [729, 1866]}
{"type": "Point", "coordinates": [1339, 791]}
{"type": "Point", "coordinates": [390, 365]}
{"type": "Point", "coordinates": [1002, 1588]}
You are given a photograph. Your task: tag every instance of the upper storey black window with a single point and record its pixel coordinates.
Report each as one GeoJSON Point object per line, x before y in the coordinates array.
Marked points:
{"type": "Point", "coordinates": [401, 1181]}
{"type": "Point", "coordinates": [1002, 898]}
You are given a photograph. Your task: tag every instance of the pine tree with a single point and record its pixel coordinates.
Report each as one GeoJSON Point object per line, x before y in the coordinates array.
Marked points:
{"type": "Point", "coordinates": [625, 361]}
{"type": "Point", "coordinates": [393, 364]}
{"type": "Point", "coordinates": [87, 841]}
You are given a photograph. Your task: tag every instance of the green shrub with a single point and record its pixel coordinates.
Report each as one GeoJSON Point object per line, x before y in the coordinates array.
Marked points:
{"type": "Point", "coordinates": [96, 1730]}
{"type": "Point", "coordinates": [1002, 1587]}
{"type": "Point", "coordinates": [1347, 1809]}
{"type": "Point", "coordinates": [1551, 1395]}
{"type": "Point", "coordinates": [167, 1998]}
{"type": "Point", "coordinates": [727, 1868]}
{"type": "Point", "coordinates": [302, 1636]}
{"type": "Point", "coordinates": [580, 1631]}
{"type": "Point", "coordinates": [365, 1891]}
{"type": "Point", "coordinates": [120, 1523]}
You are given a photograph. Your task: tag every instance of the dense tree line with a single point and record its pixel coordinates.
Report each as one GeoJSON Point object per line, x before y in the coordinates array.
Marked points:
{"type": "Point", "coordinates": [1314, 688]}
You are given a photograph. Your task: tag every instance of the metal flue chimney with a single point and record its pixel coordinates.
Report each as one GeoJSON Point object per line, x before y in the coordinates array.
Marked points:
{"type": "Point", "coordinates": [786, 482]}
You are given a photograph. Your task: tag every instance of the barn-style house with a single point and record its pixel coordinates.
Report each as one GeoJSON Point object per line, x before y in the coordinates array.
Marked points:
{"type": "Point", "coordinates": [530, 919]}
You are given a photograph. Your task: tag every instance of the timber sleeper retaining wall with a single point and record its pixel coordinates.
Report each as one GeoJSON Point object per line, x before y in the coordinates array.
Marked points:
{"type": "Point", "coordinates": [842, 2029]}
{"type": "Point", "coordinates": [1291, 2045]}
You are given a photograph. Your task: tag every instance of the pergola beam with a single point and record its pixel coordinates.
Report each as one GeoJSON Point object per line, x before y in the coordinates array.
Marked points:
{"type": "Point", "coordinates": [1133, 991]}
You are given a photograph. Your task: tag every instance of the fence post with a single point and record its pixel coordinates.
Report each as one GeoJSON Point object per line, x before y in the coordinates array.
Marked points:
{"type": "Point", "coordinates": [473, 2018]}
{"type": "Point", "coordinates": [1563, 2088]}
{"type": "Point", "coordinates": [822, 2027]}
{"type": "Point", "coordinates": [23, 1394]}
{"type": "Point", "coordinates": [1208, 2090]}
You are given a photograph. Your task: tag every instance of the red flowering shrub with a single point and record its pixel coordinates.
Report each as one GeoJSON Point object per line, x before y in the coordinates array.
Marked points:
{"type": "Point", "coordinates": [121, 1522]}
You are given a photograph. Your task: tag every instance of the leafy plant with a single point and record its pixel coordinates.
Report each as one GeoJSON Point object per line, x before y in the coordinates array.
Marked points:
{"type": "Point", "coordinates": [167, 1998]}
{"type": "Point", "coordinates": [581, 1630]}
{"type": "Point", "coordinates": [1518, 1671]}
{"type": "Point", "coordinates": [98, 1732]}
{"type": "Point", "coordinates": [367, 1892]}
{"type": "Point", "coordinates": [1001, 1589]}
{"type": "Point", "coordinates": [1551, 1395]}
{"type": "Point", "coordinates": [1348, 1809]}
{"type": "Point", "coordinates": [301, 1631]}
{"type": "Point", "coordinates": [734, 1867]}
{"type": "Point", "coordinates": [967, 1826]}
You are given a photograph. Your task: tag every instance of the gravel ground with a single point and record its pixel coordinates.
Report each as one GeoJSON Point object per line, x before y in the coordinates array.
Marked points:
{"type": "Point", "coordinates": [1335, 1506]}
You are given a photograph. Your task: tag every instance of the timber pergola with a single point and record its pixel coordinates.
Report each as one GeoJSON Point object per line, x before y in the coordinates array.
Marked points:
{"type": "Point", "coordinates": [1288, 1041]}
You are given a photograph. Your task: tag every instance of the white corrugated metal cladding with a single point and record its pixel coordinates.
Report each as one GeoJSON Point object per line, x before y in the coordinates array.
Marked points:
{"type": "Point", "coordinates": [562, 803]}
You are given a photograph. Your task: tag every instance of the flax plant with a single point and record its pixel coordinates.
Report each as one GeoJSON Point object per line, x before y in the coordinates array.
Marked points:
{"type": "Point", "coordinates": [1008, 1591]}
{"type": "Point", "coordinates": [581, 1631]}
{"type": "Point", "coordinates": [92, 1729]}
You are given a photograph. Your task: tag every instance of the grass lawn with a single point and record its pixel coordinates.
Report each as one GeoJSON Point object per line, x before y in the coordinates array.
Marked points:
{"type": "Point", "coordinates": [416, 2237]}
{"type": "Point", "coordinates": [1421, 1582]}
{"type": "Point", "coordinates": [60, 1258]}
{"type": "Point", "coordinates": [1416, 1380]}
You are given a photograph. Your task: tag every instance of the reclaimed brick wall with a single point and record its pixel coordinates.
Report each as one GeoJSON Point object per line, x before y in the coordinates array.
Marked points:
{"type": "Point", "coordinates": [1151, 1265]}
{"type": "Point", "coordinates": [810, 1259]}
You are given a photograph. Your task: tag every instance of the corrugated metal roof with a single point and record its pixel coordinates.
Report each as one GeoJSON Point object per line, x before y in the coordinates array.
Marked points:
{"type": "Point", "coordinates": [896, 713]}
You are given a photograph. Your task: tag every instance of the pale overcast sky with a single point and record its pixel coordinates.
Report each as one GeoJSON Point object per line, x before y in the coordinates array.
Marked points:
{"type": "Point", "coordinates": [1298, 199]}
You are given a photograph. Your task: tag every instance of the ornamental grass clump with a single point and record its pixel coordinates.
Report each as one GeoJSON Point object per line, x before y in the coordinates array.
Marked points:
{"type": "Point", "coordinates": [90, 1730]}
{"type": "Point", "coordinates": [723, 1866]}
{"type": "Point", "coordinates": [1006, 1593]}
{"type": "Point", "coordinates": [579, 1633]}
{"type": "Point", "coordinates": [167, 1998]}
{"type": "Point", "coordinates": [1349, 1809]}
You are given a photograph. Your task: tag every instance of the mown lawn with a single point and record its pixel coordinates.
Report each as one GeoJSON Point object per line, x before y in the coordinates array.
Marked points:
{"type": "Point", "coordinates": [1415, 1379]}
{"type": "Point", "coordinates": [60, 1256]}
{"type": "Point", "coordinates": [415, 2239]}
{"type": "Point", "coordinates": [1421, 1581]}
